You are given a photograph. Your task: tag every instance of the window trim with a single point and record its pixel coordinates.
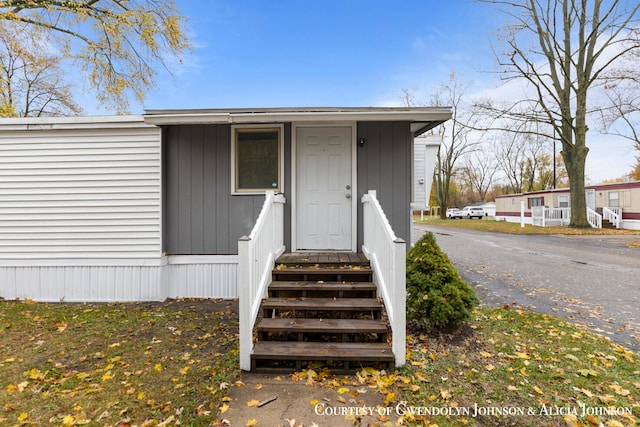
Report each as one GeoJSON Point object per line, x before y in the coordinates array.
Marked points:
{"type": "Point", "coordinates": [530, 200]}
{"type": "Point", "coordinates": [235, 129]}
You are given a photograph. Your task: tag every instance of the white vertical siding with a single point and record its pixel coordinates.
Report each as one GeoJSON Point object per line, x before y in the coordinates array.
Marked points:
{"type": "Point", "coordinates": [425, 151]}
{"type": "Point", "coordinates": [202, 277]}
{"type": "Point", "coordinates": [88, 190]}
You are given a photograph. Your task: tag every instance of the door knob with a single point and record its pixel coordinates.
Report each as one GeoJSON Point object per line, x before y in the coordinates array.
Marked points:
{"type": "Point", "coordinates": [348, 196]}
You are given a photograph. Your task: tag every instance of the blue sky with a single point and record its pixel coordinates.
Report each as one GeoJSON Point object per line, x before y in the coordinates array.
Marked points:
{"type": "Point", "coordinates": [252, 53]}
{"type": "Point", "coordinates": [311, 53]}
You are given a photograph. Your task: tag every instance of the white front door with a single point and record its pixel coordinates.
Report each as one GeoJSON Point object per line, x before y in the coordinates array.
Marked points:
{"type": "Point", "coordinates": [323, 188]}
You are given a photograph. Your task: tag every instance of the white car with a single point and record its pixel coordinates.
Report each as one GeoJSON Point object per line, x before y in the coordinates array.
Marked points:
{"type": "Point", "coordinates": [453, 213]}
{"type": "Point", "coordinates": [472, 212]}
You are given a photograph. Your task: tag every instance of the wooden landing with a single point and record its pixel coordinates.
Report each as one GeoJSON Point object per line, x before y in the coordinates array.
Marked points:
{"type": "Point", "coordinates": [322, 258]}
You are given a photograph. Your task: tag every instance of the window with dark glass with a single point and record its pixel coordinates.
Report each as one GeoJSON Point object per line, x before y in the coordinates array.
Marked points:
{"type": "Point", "coordinates": [257, 159]}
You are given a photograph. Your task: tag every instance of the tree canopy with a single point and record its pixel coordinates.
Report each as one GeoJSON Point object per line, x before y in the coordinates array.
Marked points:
{"type": "Point", "coordinates": [117, 44]}
{"type": "Point", "coordinates": [564, 50]}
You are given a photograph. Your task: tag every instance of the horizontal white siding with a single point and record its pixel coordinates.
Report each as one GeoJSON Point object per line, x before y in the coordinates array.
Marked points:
{"type": "Point", "coordinates": [89, 192]}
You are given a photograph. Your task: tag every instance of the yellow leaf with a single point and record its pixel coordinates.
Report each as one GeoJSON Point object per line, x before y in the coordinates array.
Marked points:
{"type": "Point", "coordinates": [619, 390]}
{"type": "Point", "coordinates": [572, 357]}
{"type": "Point", "coordinates": [184, 370]}
{"type": "Point", "coordinates": [257, 387]}
{"type": "Point", "coordinates": [523, 356]}
{"type": "Point", "coordinates": [252, 423]}
{"type": "Point", "coordinates": [68, 420]}
{"type": "Point", "coordinates": [140, 395]}
{"type": "Point", "coordinates": [490, 367]}
{"type": "Point", "coordinates": [537, 390]}
{"type": "Point", "coordinates": [390, 397]}
{"type": "Point", "coordinates": [107, 376]}
{"type": "Point", "coordinates": [224, 408]}
{"type": "Point", "coordinates": [314, 402]}
{"type": "Point", "coordinates": [445, 394]}
{"type": "Point", "coordinates": [614, 423]}
{"type": "Point", "coordinates": [158, 367]}
{"type": "Point", "coordinates": [35, 374]}
{"type": "Point", "coordinates": [62, 326]}
{"type": "Point", "coordinates": [23, 416]}
{"type": "Point", "coordinates": [343, 390]}
{"type": "Point", "coordinates": [253, 402]}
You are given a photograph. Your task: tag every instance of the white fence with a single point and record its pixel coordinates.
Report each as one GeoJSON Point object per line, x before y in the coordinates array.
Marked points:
{"type": "Point", "coordinates": [546, 216]}
{"type": "Point", "coordinates": [257, 254]}
{"type": "Point", "coordinates": [387, 255]}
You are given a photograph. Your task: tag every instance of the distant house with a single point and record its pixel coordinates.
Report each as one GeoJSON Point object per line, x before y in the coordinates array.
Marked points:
{"type": "Point", "coordinates": [488, 207]}
{"type": "Point", "coordinates": [152, 206]}
{"type": "Point", "coordinates": [615, 204]}
{"type": "Point", "coordinates": [425, 149]}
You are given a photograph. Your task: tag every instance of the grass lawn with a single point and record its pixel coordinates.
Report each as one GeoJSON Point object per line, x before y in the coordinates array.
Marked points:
{"type": "Point", "coordinates": [514, 228]}
{"type": "Point", "coordinates": [509, 367]}
{"type": "Point", "coordinates": [104, 364]}
{"type": "Point", "coordinates": [154, 363]}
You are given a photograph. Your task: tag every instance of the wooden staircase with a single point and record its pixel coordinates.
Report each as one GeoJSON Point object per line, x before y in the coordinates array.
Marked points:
{"type": "Point", "coordinates": [322, 308]}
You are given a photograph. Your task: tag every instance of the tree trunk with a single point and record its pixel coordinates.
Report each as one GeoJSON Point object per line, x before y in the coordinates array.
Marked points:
{"type": "Point", "coordinates": [574, 160]}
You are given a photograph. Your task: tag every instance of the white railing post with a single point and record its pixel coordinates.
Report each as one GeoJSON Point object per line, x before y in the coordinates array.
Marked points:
{"type": "Point", "coordinates": [244, 294]}
{"type": "Point", "coordinates": [257, 254]}
{"type": "Point", "coordinates": [399, 336]}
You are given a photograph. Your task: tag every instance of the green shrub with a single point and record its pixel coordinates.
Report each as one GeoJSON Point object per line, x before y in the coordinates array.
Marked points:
{"type": "Point", "coordinates": [437, 298]}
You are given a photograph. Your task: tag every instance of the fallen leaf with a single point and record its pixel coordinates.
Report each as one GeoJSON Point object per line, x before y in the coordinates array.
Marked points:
{"type": "Point", "coordinates": [390, 397]}
{"type": "Point", "coordinates": [572, 357]}
{"type": "Point", "coordinates": [224, 408]}
{"type": "Point", "coordinates": [252, 423]}
{"type": "Point", "coordinates": [253, 402]}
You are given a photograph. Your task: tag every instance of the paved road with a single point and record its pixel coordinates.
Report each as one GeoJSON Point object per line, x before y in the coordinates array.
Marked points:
{"type": "Point", "coordinates": [591, 280]}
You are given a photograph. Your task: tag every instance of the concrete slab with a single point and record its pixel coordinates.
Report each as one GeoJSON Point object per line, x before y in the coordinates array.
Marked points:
{"type": "Point", "coordinates": [305, 404]}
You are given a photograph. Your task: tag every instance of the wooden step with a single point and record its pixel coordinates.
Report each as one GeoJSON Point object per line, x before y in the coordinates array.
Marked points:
{"type": "Point", "coordinates": [353, 355]}
{"type": "Point", "coordinates": [335, 274]}
{"type": "Point", "coordinates": [319, 289]}
{"type": "Point", "coordinates": [330, 326]}
{"type": "Point", "coordinates": [322, 304]}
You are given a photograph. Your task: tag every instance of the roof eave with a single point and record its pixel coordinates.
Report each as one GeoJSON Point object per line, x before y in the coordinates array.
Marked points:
{"type": "Point", "coordinates": [422, 119]}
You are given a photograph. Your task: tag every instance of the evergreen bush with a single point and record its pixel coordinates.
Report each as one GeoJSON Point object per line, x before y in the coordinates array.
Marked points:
{"type": "Point", "coordinates": [437, 297]}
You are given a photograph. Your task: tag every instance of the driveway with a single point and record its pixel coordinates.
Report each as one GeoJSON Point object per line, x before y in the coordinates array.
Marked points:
{"type": "Point", "coordinates": [591, 280]}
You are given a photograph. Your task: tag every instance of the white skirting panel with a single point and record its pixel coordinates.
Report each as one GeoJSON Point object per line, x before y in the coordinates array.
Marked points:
{"type": "Point", "coordinates": [155, 280]}
{"type": "Point", "coordinates": [202, 277]}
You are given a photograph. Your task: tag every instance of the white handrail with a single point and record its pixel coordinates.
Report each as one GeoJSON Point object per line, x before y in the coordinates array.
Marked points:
{"type": "Point", "coordinates": [257, 254]}
{"type": "Point", "coordinates": [594, 218]}
{"type": "Point", "coordinates": [387, 255]}
{"type": "Point", "coordinates": [614, 215]}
